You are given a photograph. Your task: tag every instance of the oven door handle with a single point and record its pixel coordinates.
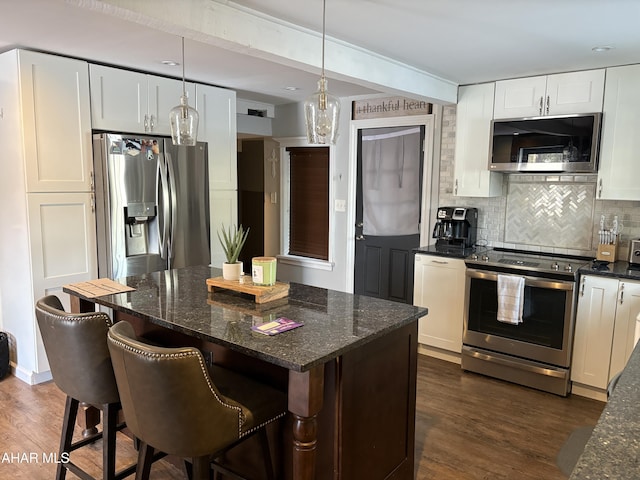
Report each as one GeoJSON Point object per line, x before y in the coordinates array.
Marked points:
{"type": "Point", "coordinates": [549, 371]}
{"type": "Point", "coordinates": [528, 281]}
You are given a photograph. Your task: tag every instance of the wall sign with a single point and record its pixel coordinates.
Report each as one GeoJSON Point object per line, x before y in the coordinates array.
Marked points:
{"type": "Point", "coordinates": [389, 107]}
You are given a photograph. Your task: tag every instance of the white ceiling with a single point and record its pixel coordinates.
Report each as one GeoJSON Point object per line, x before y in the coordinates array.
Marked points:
{"type": "Point", "coordinates": [462, 41]}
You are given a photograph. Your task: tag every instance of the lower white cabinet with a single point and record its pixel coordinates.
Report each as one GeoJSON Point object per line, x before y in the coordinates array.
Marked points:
{"type": "Point", "coordinates": [439, 286]}
{"type": "Point", "coordinates": [605, 327]}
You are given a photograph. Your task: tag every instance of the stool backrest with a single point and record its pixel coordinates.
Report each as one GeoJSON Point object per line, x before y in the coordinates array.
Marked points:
{"type": "Point", "coordinates": [76, 347]}
{"type": "Point", "coordinates": [168, 397]}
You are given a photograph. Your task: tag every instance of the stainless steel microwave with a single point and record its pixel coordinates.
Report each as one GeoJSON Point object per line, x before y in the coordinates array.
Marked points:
{"type": "Point", "coordinates": [563, 143]}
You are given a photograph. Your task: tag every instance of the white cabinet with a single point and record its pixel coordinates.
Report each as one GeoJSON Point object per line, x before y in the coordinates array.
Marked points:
{"type": "Point", "coordinates": [56, 118]}
{"type": "Point", "coordinates": [48, 234]}
{"type": "Point", "coordinates": [563, 93]}
{"type": "Point", "coordinates": [472, 177]}
{"type": "Point", "coordinates": [620, 142]}
{"type": "Point", "coordinates": [217, 111]}
{"type": "Point", "coordinates": [439, 286]}
{"type": "Point", "coordinates": [127, 101]}
{"type": "Point", "coordinates": [605, 327]}
{"type": "Point", "coordinates": [627, 310]}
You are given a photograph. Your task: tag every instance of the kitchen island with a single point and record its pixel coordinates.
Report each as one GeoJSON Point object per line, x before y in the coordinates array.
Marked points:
{"type": "Point", "coordinates": [349, 371]}
{"type": "Point", "coordinates": [613, 451]}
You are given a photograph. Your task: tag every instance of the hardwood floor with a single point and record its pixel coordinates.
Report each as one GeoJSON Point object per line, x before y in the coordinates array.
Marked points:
{"type": "Point", "coordinates": [468, 427]}
{"type": "Point", "coordinates": [471, 427]}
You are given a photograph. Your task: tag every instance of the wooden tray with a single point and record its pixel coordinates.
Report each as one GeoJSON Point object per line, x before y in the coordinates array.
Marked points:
{"type": "Point", "coordinates": [261, 293]}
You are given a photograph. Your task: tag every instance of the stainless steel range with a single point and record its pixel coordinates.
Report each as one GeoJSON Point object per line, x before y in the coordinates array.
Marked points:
{"type": "Point", "coordinates": [530, 346]}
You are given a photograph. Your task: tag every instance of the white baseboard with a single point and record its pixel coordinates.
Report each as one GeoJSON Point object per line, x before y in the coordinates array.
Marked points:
{"type": "Point", "coordinates": [589, 392]}
{"type": "Point", "coordinates": [30, 378]}
{"type": "Point", "coordinates": [435, 352]}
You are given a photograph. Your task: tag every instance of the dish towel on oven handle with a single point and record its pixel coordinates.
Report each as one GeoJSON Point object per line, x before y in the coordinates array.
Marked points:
{"type": "Point", "coordinates": [510, 299]}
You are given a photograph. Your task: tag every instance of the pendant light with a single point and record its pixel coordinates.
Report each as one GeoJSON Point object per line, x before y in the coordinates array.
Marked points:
{"type": "Point", "coordinates": [183, 118]}
{"type": "Point", "coordinates": [321, 109]}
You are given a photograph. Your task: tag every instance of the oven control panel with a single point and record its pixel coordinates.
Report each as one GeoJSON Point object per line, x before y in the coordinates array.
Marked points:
{"type": "Point", "coordinates": [523, 262]}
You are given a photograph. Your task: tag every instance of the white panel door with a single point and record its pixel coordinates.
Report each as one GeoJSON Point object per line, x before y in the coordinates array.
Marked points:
{"type": "Point", "coordinates": [217, 111]}
{"type": "Point", "coordinates": [54, 97]}
{"type": "Point", "coordinates": [627, 311]}
{"type": "Point", "coordinates": [520, 97]}
{"type": "Point", "coordinates": [575, 92]}
{"type": "Point", "coordinates": [164, 94]}
{"type": "Point", "coordinates": [119, 100]}
{"type": "Point", "coordinates": [439, 286]}
{"type": "Point", "coordinates": [62, 233]}
{"type": "Point", "coordinates": [593, 337]}
{"type": "Point", "coordinates": [620, 142]}
{"type": "Point", "coordinates": [472, 177]}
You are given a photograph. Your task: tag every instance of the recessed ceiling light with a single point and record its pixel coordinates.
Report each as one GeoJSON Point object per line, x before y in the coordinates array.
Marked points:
{"type": "Point", "coordinates": [170, 63]}
{"type": "Point", "coordinates": [292, 89]}
{"type": "Point", "coordinates": [602, 48]}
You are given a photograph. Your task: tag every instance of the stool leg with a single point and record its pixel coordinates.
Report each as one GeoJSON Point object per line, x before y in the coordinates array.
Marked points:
{"type": "Point", "coordinates": [70, 413]}
{"type": "Point", "coordinates": [109, 424]}
{"type": "Point", "coordinates": [264, 444]}
{"type": "Point", "coordinates": [145, 458]}
{"type": "Point", "coordinates": [201, 468]}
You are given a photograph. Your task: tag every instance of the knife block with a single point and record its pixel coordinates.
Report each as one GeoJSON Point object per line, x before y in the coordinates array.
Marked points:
{"type": "Point", "coordinates": [607, 252]}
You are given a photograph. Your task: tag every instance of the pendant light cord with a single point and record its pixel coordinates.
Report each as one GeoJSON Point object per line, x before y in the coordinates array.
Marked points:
{"type": "Point", "coordinates": [184, 90]}
{"type": "Point", "coordinates": [324, 15]}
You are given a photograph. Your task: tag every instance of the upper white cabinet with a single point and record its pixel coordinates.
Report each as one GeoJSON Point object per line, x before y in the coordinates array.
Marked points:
{"type": "Point", "coordinates": [563, 93]}
{"type": "Point", "coordinates": [127, 101]}
{"type": "Point", "coordinates": [439, 286]}
{"type": "Point", "coordinates": [472, 177]}
{"type": "Point", "coordinates": [217, 126]}
{"type": "Point", "coordinates": [56, 118]}
{"type": "Point", "coordinates": [620, 142]}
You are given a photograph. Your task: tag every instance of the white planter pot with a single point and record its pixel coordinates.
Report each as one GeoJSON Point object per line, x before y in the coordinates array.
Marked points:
{"type": "Point", "coordinates": [232, 271]}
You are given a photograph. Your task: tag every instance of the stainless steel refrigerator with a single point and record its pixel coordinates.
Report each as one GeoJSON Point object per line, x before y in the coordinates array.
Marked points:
{"type": "Point", "coordinates": [152, 204]}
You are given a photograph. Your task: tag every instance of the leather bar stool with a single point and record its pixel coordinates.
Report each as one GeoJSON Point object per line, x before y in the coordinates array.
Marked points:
{"type": "Point", "coordinates": [175, 404]}
{"type": "Point", "coordinates": [76, 347]}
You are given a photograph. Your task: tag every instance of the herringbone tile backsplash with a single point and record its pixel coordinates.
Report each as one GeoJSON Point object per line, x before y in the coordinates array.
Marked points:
{"type": "Point", "coordinates": [552, 214]}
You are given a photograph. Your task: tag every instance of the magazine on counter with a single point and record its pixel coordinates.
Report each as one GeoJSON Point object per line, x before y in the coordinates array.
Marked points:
{"type": "Point", "coordinates": [278, 325]}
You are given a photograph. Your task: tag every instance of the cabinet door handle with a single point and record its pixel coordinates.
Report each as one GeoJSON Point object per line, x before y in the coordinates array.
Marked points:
{"type": "Point", "coordinates": [547, 104]}
{"type": "Point", "coordinates": [541, 104]}
{"type": "Point", "coordinates": [152, 123]}
{"type": "Point", "coordinates": [146, 122]}
{"type": "Point", "coordinates": [600, 188]}
{"type": "Point", "coordinates": [93, 203]}
{"type": "Point", "coordinates": [92, 185]}
{"type": "Point", "coordinates": [621, 293]}
{"type": "Point", "coordinates": [439, 262]}
{"type": "Point", "coordinates": [455, 188]}
{"type": "Point", "coordinates": [582, 288]}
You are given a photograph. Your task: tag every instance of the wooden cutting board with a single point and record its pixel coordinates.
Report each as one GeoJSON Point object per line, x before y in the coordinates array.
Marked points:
{"type": "Point", "coordinates": [262, 294]}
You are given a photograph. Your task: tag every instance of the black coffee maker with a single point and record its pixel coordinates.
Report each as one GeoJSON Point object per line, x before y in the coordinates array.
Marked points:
{"type": "Point", "coordinates": [456, 227]}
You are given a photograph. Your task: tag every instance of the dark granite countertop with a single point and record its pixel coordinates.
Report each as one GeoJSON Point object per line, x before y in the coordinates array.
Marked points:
{"type": "Point", "coordinates": [613, 451]}
{"type": "Point", "coordinates": [616, 269]}
{"type": "Point", "coordinates": [450, 252]}
{"type": "Point", "coordinates": [334, 322]}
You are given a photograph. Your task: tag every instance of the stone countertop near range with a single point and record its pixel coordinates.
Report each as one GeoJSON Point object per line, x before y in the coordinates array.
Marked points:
{"type": "Point", "coordinates": [613, 451]}
{"type": "Point", "coordinates": [616, 269]}
{"type": "Point", "coordinates": [333, 322]}
{"type": "Point", "coordinates": [448, 251]}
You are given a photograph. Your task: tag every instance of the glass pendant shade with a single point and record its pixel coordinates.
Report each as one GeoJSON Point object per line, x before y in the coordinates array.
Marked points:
{"type": "Point", "coordinates": [184, 123]}
{"type": "Point", "coordinates": [322, 112]}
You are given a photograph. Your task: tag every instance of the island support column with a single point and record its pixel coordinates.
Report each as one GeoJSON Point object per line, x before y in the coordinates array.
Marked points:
{"type": "Point", "coordinates": [306, 390]}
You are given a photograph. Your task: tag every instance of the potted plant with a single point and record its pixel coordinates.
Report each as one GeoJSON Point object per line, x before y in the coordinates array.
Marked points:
{"type": "Point", "coordinates": [232, 241]}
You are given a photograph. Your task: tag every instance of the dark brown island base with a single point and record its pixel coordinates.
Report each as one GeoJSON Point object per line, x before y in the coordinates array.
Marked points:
{"type": "Point", "coordinates": [349, 371]}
